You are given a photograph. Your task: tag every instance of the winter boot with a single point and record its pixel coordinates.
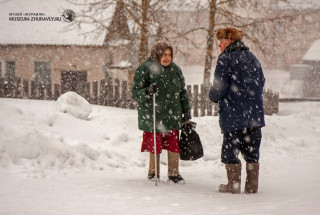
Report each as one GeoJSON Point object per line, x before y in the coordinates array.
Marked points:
{"type": "Point", "coordinates": [173, 168]}
{"type": "Point", "coordinates": [152, 169]}
{"type": "Point", "coordinates": [252, 180]}
{"type": "Point", "coordinates": [234, 179]}
{"type": "Point", "coordinates": [177, 179]}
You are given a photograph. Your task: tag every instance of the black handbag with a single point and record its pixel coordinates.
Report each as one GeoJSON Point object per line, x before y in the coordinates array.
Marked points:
{"type": "Point", "coordinates": [190, 143]}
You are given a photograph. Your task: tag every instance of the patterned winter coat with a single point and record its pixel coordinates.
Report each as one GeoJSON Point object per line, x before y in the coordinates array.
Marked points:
{"type": "Point", "coordinates": [237, 87]}
{"type": "Point", "coordinates": [171, 100]}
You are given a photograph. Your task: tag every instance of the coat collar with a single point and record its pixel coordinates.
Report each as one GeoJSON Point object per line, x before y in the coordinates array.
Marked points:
{"type": "Point", "coordinates": [237, 45]}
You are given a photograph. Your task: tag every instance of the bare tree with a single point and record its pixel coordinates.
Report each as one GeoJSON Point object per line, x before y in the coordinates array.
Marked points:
{"type": "Point", "coordinates": [253, 16]}
{"type": "Point", "coordinates": [210, 41]}
{"type": "Point", "coordinates": [162, 19]}
{"type": "Point", "coordinates": [143, 13]}
{"type": "Point", "coordinates": [143, 48]}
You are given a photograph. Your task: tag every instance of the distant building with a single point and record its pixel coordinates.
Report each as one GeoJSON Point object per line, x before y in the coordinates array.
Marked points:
{"type": "Point", "coordinates": [306, 76]}
{"type": "Point", "coordinates": [36, 52]}
{"type": "Point", "coordinates": [293, 37]}
{"type": "Point", "coordinates": [312, 75]}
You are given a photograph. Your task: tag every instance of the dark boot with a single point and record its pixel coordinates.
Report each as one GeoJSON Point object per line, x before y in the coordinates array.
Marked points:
{"type": "Point", "coordinates": [152, 169]}
{"type": "Point", "coordinates": [234, 179]}
{"type": "Point", "coordinates": [173, 168]}
{"type": "Point", "coordinates": [177, 179]}
{"type": "Point", "coordinates": [252, 180]}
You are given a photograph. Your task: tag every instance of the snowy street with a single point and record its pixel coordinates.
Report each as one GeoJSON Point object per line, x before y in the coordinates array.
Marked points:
{"type": "Point", "coordinates": [55, 163]}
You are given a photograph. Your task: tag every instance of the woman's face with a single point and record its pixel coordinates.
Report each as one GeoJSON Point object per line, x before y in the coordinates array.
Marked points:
{"type": "Point", "coordinates": [224, 43]}
{"type": "Point", "coordinates": [166, 58]}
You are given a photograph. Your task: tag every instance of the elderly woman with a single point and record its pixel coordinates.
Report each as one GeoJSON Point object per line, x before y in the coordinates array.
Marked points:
{"type": "Point", "coordinates": [160, 76]}
{"type": "Point", "coordinates": [237, 88]}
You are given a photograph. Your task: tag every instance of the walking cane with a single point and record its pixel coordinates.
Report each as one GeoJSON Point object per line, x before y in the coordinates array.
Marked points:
{"type": "Point", "coordinates": [154, 139]}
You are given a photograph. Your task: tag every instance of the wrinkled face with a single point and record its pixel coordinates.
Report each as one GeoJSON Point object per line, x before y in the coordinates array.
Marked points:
{"type": "Point", "coordinates": [224, 43]}
{"type": "Point", "coordinates": [166, 58]}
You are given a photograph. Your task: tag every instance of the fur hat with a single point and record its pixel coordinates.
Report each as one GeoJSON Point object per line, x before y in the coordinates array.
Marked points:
{"type": "Point", "coordinates": [232, 33]}
{"type": "Point", "coordinates": [158, 49]}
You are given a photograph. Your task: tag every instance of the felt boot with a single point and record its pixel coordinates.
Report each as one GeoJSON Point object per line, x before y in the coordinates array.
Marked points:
{"type": "Point", "coordinates": [152, 169]}
{"type": "Point", "coordinates": [252, 180]}
{"type": "Point", "coordinates": [173, 168]}
{"type": "Point", "coordinates": [234, 179]}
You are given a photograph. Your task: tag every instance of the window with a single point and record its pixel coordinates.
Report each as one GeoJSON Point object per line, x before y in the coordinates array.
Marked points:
{"type": "Point", "coordinates": [10, 69]}
{"type": "Point", "coordinates": [42, 72]}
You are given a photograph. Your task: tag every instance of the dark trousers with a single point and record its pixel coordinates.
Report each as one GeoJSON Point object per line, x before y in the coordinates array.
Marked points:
{"type": "Point", "coordinates": [246, 141]}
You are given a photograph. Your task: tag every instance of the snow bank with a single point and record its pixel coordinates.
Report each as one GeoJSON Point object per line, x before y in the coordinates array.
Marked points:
{"type": "Point", "coordinates": [27, 143]}
{"type": "Point", "coordinates": [38, 135]}
{"type": "Point", "coordinates": [74, 104]}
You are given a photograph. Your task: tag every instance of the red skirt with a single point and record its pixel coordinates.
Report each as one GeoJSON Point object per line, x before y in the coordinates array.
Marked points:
{"type": "Point", "coordinates": [168, 141]}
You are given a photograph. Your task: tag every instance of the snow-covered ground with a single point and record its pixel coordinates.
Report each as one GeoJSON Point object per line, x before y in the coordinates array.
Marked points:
{"type": "Point", "coordinates": [54, 162]}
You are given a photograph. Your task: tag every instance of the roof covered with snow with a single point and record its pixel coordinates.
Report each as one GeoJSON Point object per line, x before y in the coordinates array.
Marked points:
{"type": "Point", "coordinates": [313, 53]}
{"type": "Point", "coordinates": [27, 24]}
{"type": "Point", "coordinates": [298, 4]}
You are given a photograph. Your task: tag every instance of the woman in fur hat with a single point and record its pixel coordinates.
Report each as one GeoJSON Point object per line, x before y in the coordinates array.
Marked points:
{"type": "Point", "coordinates": [159, 75]}
{"type": "Point", "coordinates": [237, 87]}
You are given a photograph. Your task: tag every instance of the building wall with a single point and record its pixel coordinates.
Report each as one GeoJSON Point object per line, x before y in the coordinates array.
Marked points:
{"type": "Point", "coordinates": [70, 58]}
{"type": "Point", "coordinates": [94, 60]}
{"type": "Point", "coordinates": [311, 80]}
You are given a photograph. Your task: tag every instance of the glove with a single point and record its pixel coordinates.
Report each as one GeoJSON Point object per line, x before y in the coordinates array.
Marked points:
{"type": "Point", "coordinates": [152, 89]}
{"type": "Point", "coordinates": [186, 116]}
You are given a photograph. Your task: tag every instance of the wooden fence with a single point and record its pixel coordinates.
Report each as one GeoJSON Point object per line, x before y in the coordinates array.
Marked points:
{"type": "Point", "coordinates": [117, 93]}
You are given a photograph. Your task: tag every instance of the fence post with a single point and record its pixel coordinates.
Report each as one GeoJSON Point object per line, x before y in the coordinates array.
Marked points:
{"type": "Point", "coordinates": [95, 92]}
{"type": "Point", "coordinates": [195, 102]}
{"type": "Point", "coordinates": [56, 91]}
{"type": "Point", "coordinates": [5, 87]}
{"type": "Point", "coordinates": [25, 88]}
{"type": "Point", "coordinates": [132, 103]}
{"type": "Point", "coordinates": [109, 92]}
{"type": "Point", "coordinates": [12, 87]}
{"type": "Point", "coordinates": [102, 92]}
{"type": "Point", "coordinates": [208, 102]}
{"type": "Point", "coordinates": [2, 86]}
{"type": "Point", "coordinates": [87, 92]}
{"type": "Point", "coordinates": [41, 89]}
{"type": "Point", "coordinates": [124, 94]}
{"type": "Point", "coordinates": [9, 87]}
{"type": "Point", "coordinates": [209, 108]}
{"type": "Point", "coordinates": [48, 91]}
{"type": "Point", "coordinates": [190, 97]}
{"type": "Point", "coordinates": [18, 87]}
{"type": "Point", "coordinates": [116, 99]}
{"type": "Point", "coordinates": [203, 102]}
{"type": "Point", "coordinates": [33, 90]}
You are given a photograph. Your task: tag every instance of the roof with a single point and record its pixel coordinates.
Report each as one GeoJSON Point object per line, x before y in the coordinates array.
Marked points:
{"type": "Point", "coordinates": [36, 32]}
{"type": "Point", "coordinates": [313, 53]}
{"type": "Point", "coordinates": [298, 4]}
